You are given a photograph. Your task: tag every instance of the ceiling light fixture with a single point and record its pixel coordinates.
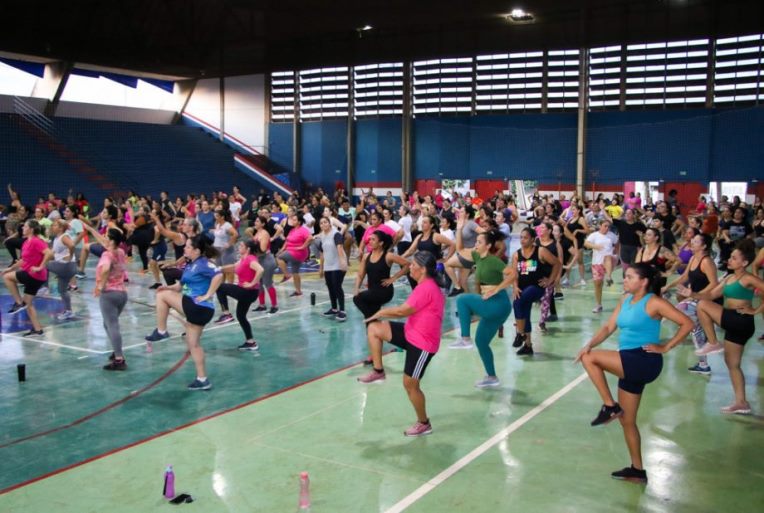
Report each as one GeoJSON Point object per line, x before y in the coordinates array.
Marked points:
{"type": "Point", "coordinates": [519, 15]}
{"type": "Point", "coordinates": [361, 30]}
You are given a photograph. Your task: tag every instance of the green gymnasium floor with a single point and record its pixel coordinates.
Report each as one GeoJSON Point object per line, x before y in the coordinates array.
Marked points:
{"type": "Point", "coordinates": [75, 438]}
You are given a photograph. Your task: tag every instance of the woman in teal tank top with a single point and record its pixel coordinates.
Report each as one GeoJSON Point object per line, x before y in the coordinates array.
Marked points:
{"type": "Point", "coordinates": [491, 304]}
{"type": "Point", "coordinates": [736, 318]}
{"type": "Point", "coordinates": [638, 360]}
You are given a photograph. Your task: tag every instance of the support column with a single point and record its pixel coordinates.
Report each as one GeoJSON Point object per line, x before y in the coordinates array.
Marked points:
{"type": "Point", "coordinates": [267, 114]}
{"type": "Point", "coordinates": [53, 84]}
{"type": "Point", "coordinates": [222, 109]}
{"type": "Point", "coordinates": [406, 138]}
{"type": "Point", "coordinates": [583, 102]}
{"type": "Point", "coordinates": [350, 142]}
{"type": "Point", "coordinates": [297, 135]}
{"type": "Point", "coordinates": [184, 90]}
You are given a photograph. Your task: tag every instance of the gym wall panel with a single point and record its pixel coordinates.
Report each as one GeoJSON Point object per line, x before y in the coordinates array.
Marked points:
{"type": "Point", "coordinates": [737, 150]}
{"type": "Point", "coordinates": [324, 153]}
{"type": "Point", "coordinates": [378, 150]}
{"type": "Point", "coordinates": [281, 143]}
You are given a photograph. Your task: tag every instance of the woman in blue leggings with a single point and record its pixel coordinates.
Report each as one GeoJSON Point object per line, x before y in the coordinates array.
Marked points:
{"type": "Point", "coordinates": [491, 304]}
{"type": "Point", "coordinates": [535, 268]}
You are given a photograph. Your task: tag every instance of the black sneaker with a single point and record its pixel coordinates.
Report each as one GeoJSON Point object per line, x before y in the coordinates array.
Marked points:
{"type": "Point", "coordinates": [607, 414]}
{"type": "Point", "coordinates": [519, 339]}
{"type": "Point", "coordinates": [559, 296]}
{"type": "Point", "coordinates": [116, 365]}
{"type": "Point", "coordinates": [341, 316]}
{"type": "Point", "coordinates": [542, 327]}
{"type": "Point", "coordinates": [526, 350]}
{"type": "Point", "coordinates": [329, 313]}
{"type": "Point", "coordinates": [155, 286]}
{"type": "Point", "coordinates": [552, 318]}
{"type": "Point", "coordinates": [16, 308]}
{"type": "Point", "coordinates": [273, 310]}
{"type": "Point", "coordinates": [455, 292]}
{"type": "Point", "coordinates": [32, 333]}
{"type": "Point", "coordinates": [261, 308]}
{"type": "Point", "coordinates": [249, 346]}
{"type": "Point", "coordinates": [630, 474]}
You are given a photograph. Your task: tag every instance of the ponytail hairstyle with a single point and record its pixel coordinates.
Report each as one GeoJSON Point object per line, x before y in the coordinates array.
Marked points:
{"type": "Point", "coordinates": [747, 248]}
{"type": "Point", "coordinates": [430, 264]}
{"type": "Point", "coordinates": [451, 221]}
{"type": "Point", "coordinates": [252, 246]}
{"type": "Point", "coordinates": [116, 236]}
{"type": "Point", "coordinates": [34, 226]}
{"type": "Point", "coordinates": [434, 223]}
{"type": "Point", "coordinates": [385, 239]}
{"type": "Point", "coordinates": [492, 238]}
{"type": "Point", "coordinates": [204, 245]}
{"type": "Point", "coordinates": [653, 276]}
{"type": "Point", "coordinates": [657, 234]}
{"type": "Point", "coordinates": [193, 223]}
{"type": "Point", "coordinates": [707, 241]}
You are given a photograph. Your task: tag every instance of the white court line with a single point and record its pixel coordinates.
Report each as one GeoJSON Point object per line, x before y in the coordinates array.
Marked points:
{"type": "Point", "coordinates": [481, 449]}
{"type": "Point", "coordinates": [55, 344]}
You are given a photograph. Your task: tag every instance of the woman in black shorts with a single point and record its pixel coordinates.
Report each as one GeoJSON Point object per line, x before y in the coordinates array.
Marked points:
{"type": "Point", "coordinates": [736, 317]}
{"type": "Point", "coordinates": [638, 360]}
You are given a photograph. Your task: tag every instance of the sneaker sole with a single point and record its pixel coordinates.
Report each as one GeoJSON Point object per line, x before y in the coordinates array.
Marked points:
{"type": "Point", "coordinates": [424, 433]}
{"type": "Point", "coordinates": [375, 382]}
{"type": "Point", "coordinates": [720, 349]}
{"type": "Point", "coordinates": [491, 385]}
{"type": "Point", "coordinates": [737, 412]}
{"type": "Point", "coordinates": [701, 373]}
{"type": "Point", "coordinates": [227, 321]}
{"type": "Point", "coordinates": [201, 388]}
{"type": "Point", "coordinates": [250, 349]}
{"type": "Point", "coordinates": [462, 347]}
{"type": "Point", "coordinates": [635, 480]}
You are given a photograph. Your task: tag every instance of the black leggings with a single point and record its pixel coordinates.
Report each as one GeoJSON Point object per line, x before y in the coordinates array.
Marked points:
{"type": "Point", "coordinates": [371, 300]}
{"type": "Point", "coordinates": [142, 239]}
{"type": "Point", "coordinates": [172, 275]}
{"type": "Point", "coordinates": [245, 298]}
{"type": "Point", "coordinates": [334, 284]}
{"type": "Point", "coordinates": [13, 245]}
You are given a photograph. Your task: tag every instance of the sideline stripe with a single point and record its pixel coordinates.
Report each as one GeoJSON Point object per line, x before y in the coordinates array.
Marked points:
{"type": "Point", "coordinates": [481, 449]}
{"type": "Point", "coordinates": [54, 344]}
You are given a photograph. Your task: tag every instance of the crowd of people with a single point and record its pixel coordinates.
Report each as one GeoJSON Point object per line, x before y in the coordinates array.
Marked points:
{"type": "Point", "coordinates": [225, 245]}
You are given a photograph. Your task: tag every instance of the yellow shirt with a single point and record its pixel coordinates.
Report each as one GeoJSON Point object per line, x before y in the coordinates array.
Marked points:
{"type": "Point", "coordinates": [614, 211]}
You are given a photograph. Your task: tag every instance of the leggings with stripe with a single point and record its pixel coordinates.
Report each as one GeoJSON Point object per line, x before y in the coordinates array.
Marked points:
{"type": "Point", "coordinates": [492, 312]}
{"type": "Point", "coordinates": [266, 282]}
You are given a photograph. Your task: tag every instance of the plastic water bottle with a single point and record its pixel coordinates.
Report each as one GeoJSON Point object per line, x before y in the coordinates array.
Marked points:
{"type": "Point", "coordinates": [304, 504]}
{"type": "Point", "coordinates": [312, 299]}
{"type": "Point", "coordinates": [169, 483]}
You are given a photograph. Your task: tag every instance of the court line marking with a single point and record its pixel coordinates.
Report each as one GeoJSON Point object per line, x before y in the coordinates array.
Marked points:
{"type": "Point", "coordinates": [55, 344]}
{"type": "Point", "coordinates": [439, 479]}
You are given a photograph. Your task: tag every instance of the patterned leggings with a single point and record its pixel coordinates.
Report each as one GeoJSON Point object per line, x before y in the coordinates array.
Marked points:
{"type": "Point", "coordinates": [547, 304]}
{"type": "Point", "coordinates": [690, 308]}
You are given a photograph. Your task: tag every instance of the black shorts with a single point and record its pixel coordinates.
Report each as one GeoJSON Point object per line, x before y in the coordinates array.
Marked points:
{"type": "Point", "coordinates": [196, 314]}
{"type": "Point", "coordinates": [467, 264]}
{"type": "Point", "coordinates": [96, 249]}
{"type": "Point", "coordinates": [739, 328]}
{"type": "Point", "coordinates": [417, 359]}
{"type": "Point", "coordinates": [639, 369]}
{"type": "Point", "coordinates": [31, 285]}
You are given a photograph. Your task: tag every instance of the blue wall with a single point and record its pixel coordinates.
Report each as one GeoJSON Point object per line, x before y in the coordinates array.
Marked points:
{"type": "Point", "coordinates": [737, 153]}
{"type": "Point", "coordinates": [281, 144]}
{"type": "Point", "coordinates": [378, 150]}
{"type": "Point", "coordinates": [530, 146]}
{"type": "Point", "coordinates": [324, 153]}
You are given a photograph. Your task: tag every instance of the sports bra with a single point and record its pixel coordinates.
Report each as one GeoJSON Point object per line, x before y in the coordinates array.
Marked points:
{"type": "Point", "coordinates": [735, 290]}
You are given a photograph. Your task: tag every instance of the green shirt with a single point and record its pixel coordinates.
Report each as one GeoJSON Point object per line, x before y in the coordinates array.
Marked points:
{"type": "Point", "coordinates": [488, 270]}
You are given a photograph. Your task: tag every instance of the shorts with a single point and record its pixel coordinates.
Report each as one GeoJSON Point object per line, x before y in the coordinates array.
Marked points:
{"type": "Point", "coordinates": [227, 256]}
{"type": "Point", "coordinates": [197, 314]}
{"type": "Point", "coordinates": [96, 249]}
{"type": "Point", "coordinates": [292, 263]}
{"type": "Point", "coordinates": [639, 369]}
{"type": "Point", "coordinates": [739, 328]}
{"type": "Point", "coordinates": [598, 272]}
{"type": "Point", "coordinates": [467, 264]}
{"type": "Point", "coordinates": [159, 251]}
{"type": "Point", "coordinates": [417, 359]}
{"type": "Point", "coordinates": [628, 254]}
{"type": "Point", "coordinates": [31, 285]}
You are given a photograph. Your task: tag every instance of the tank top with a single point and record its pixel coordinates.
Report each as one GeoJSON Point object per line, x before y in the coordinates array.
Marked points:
{"type": "Point", "coordinates": [377, 271]}
{"type": "Point", "coordinates": [656, 261]}
{"type": "Point", "coordinates": [546, 269]}
{"type": "Point", "coordinates": [60, 251]}
{"type": "Point", "coordinates": [636, 325]}
{"type": "Point", "coordinates": [685, 254]}
{"type": "Point", "coordinates": [698, 279]}
{"type": "Point", "coordinates": [580, 237]}
{"type": "Point", "coordinates": [736, 290]}
{"type": "Point", "coordinates": [528, 269]}
{"type": "Point", "coordinates": [430, 246]}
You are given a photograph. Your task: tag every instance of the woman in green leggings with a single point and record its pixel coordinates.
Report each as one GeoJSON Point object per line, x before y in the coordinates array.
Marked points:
{"type": "Point", "coordinates": [492, 305]}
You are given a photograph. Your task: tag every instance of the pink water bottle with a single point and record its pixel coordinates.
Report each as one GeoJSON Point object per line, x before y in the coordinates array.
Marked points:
{"type": "Point", "coordinates": [169, 483]}
{"type": "Point", "coordinates": [304, 492]}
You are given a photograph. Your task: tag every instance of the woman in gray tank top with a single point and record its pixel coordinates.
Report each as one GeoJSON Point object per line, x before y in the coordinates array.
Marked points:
{"type": "Point", "coordinates": [63, 265]}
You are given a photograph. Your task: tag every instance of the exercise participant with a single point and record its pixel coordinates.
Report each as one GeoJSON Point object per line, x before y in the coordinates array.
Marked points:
{"type": "Point", "coordinates": [262, 236]}
{"type": "Point", "coordinates": [63, 265]}
{"type": "Point", "coordinates": [419, 337]}
{"type": "Point", "coordinates": [333, 266]}
{"type": "Point", "coordinates": [638, 360]}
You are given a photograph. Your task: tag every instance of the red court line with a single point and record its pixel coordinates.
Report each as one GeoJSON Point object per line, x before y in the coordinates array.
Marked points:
{"type": "Point", "coordinates": [102, 410]}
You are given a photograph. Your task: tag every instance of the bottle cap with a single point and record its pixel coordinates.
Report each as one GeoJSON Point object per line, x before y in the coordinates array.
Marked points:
{"type": "Point", "coordinates": [169, 468]}
{"type": "Point", "coordinates": [303, 475]}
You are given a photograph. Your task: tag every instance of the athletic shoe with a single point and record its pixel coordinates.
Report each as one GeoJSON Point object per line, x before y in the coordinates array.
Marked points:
{"type": "Point", "coordinates": [737, 409]}
{"type": "Point", "coordinates": [542, 327]}
{"type": "Point", "coordinates": [224, 319]}
{"type": "Point", "coordinates": [80, 275]}
{"type": "Point", "coordinates": [552, 318]}
{"type": "Point", "coordinates": [460, 344]}
{"type": "Point", "coordinates": [330, 313]}
{"type": "Point", "coordinates": [710, 349]}
{"type": "Point", "coordinates": [607, 414]}
{"type": "Point", "coordinates": [341, 316]}
{"type": "Point", "coordinates": [156, 336]}
{"type": "Point", "coordinates": [16, 308]}
{"type": "Point", "coordinates": [155, 286]}
{"type": "Point", "coordinates": [455, 292]}
{"type": "Point", "coordinates": [559, 296]}
{"type": "Point", "coordinates": [698, 369]}
{"type": "Point", "coordinates": [582, 283]}
{"type": "Point", "coordinates": [200, 385]}
{"type": "Point", "coordinates": [630, 474]}
{"type": "Point", "coordinates": [597, 309]}
{"type": "Point", "coordinates": [273, 310]}
{"type": "Point", "coordinates": [115, 365]}
{"type": "Point", "coordinates": [565, 282]}
{"type": "Point", "coordinates": [526, 350]}
{"type": "Point", "coordinates": [65, 315]}
{"type": "Point", "coordinates": [372, 377]}
{"type": "Point", "coordinates": [261, 308]}
{"type": "Point", "coordinates": [488, 381]}
{"type": "Point", "coordinates": [32, 333]}
{"type": "Point", "coordinates": [295, 294]}
{"type": "Point", "coordinates": [44, 291]}
{"type": "Point", "coordinates": [419, 429]}
{"type": "Point", "coordinates": [285, 278]}
{"type": "Point", "coordinates": [249, 346]}
{"type": "Point", "coordinates": [609, 282]}
{"type": "Point", "coordinates": [519, 339]}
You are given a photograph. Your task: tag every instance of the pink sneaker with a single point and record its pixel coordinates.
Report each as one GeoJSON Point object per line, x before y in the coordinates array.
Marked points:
{"type": "Point", "coordinates": [737, 409]}
{"type": "Point", "coordinates": [710, 349]}
{"type": "Point", "coordinates": [372, 377]}
{"type": "Point", "coordinates": [419, 429]}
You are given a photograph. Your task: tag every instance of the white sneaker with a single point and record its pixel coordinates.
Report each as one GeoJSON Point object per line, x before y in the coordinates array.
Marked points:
{"type": "Point", "coordinates": [565, 282]}
{"type": "Point", "coordinates": [597, 309]}
{"type": "Point", "coordinates": [65, 315]}
{"type": "Point", "coordinates": [460, 344]}
{"type": "Point", "coordinates": [488, 381]}
{"type": "Point", "coordinates": [582, 283]}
